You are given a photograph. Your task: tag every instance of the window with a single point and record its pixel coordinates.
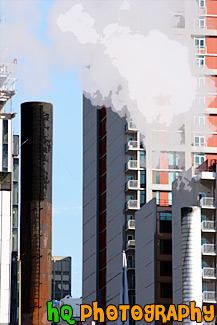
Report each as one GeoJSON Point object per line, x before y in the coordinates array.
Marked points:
{"type": "Point", "coordinates": [15, 217]}
{"type": "Point", "coordinates": [142, 158]}
{"type": "Point", "coordinates": [199, 158]}
{"type": "Point", "coordinates": [170, 198]}
{"type": "Point", "coordinates": [5, 131]}
{"type": "Point", "coordinates": [5, 158]}
{"type": "Point", "coordinates": [156, 177]}
{"type": "Point", "coordinates": [171, 159]}
{"type": "Point", "coordinates": [176, 160]}
{"type": "Point", "coordinates": [202, 3]}
{"type": "Point", "coordinates": [15, 239]}
{"type": "Point", "coordinates": [201, 100]}
{"type": "Point", "coordinates": [171, 177]}
{"type": "Point", "coordinates": [157, 197]}
{"type": "Point", "coordinates": [199, 42]}
{"type": "Point", "coordinates": [16, 169]}
{"type": "Point", "coordinates": [201, 194]}
{"type": "Point", "coordinates": [142, 198]}
{"type": "Point", "coordinates": [165, 222]}
{"type": "Point", "coordinates": [201, 22]}
{"type": "Point", "coordinates": [199, 141]}
{"type": "Point", "coordinates": [204, 288]}
{"type": "Point", "coordinates": [199, 120]}
{"type": "Point", "coordinates": [142, 177]}
{"type": "Point", "coordinates": [130, 217]}
{"type": "Point", "coordinates": [201, 61]}
{"type": "Point", "coordinates": [166, 290]}
{"type": "Point", "coordinates": [166, 247]}
{"type": "Point", "coordinates": [15, 193]}
{"type": "Point", "coordinates": [201, 82]}
{"type": "Point", "coordinates": [166, 268]}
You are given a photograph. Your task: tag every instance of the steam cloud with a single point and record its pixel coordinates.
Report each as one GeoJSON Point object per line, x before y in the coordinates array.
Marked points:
{"type": "Point", "coordinates": [127, 66]}
{"type": "Point", "coordinates": [127, 53]}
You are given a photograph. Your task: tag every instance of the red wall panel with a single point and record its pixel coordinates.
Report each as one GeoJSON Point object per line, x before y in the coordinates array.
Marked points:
{"type": "Point", "coordinates": [211, 6]}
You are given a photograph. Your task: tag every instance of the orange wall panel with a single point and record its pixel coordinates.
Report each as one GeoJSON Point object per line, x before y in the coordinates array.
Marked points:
{"type": "Point", "coordinates": [211, 45]}
{"type": "Point", "coordinates": [164, 160]}
{"type": "Point", "coordinates": [163, 177]}
{"type": "Point", "coordinates": [212, 120]}
{"type": "Point", "coordinates": [211, 61]}
{"type": "Point", "coordinates": [211, 6]}
{"type": "Point", "coordinates": [211, 156]}
{"type": "Point", "coordinates": [212, 83]}
{"type": "Point", "coordinates": [211, 22]}
{"type": "Point", "coordinates": [164, 198]}
{"type": "Point", "coordinates": [212, 141]}
{"type": "Point", "coordinates": [211, 101]}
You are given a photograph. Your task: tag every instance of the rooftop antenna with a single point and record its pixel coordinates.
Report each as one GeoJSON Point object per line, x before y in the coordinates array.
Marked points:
{"type": "Point", "coordinates": [7, 69]}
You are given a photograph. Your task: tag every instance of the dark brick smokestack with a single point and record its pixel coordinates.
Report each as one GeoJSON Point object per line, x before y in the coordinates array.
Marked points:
{"type": "Point", "coordinates": [36, 210]}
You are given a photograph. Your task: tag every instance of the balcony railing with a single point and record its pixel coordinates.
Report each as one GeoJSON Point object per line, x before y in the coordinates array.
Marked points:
{"type": "Point", "coordinates": [208, 225]}
{"type": "Point", "coordinates": [209, 272]}
{"type": "Point", "coordinates": [207, 202]}
{"type": "Point", "coordinates": [130, 126]}
{"type": "Point", "coordinates": [131, 243]}
{"type": "Point", "coordinates": [209, 296]}
{"type": "Point", "coordinates": [132, 165]}
{"type": "Point", "coordinates": [132, 145]}
{"type": "Point", "coordinates": [132, 204]}
{"type": "Point", "coordinates": [201, 50]}
{"type": "Point", "coordinates": [132, 185]}
{"type": "Point", "coordinates": [131, 264]}
{"type": "Point", "coordinates": [209, 249]}
{"type": "Point", "coordinates": [130, 224]}
{"type": "Point", "coordinates": [202, 11]}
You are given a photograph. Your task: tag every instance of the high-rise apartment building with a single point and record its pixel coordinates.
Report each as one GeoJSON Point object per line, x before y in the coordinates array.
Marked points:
{"type": "Point", "coordinates": [9, 190]}
{"type": "Point", "coordinates": [194, 236]}
{"type": "Point", "coordinates": [61, 277]}
{"type": "Point", "coordinates": [120, 175]}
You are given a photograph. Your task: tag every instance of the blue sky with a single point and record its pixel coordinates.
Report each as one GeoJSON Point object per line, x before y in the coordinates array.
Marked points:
{"type": "Point", "coordinates": [65, 94]}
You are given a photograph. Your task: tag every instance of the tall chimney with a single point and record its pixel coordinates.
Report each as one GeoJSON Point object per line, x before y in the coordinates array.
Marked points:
{"type": "Point", "coordinates": [36, 210]}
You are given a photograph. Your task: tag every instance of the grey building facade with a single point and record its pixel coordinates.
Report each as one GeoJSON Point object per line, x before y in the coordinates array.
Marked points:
{"type": "Point", "coordinates": [61, 277]}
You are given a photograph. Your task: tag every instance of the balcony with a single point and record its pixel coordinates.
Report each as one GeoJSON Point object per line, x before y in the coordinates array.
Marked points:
{"type": "Point", "coordinates": [130, 127]}
{"type": "Point", "coordinates": [132, 145]}
{"type": "Point", "coordinates": [201, 50]}
{"type": "Point", "coordinates": [130, 244]}
{"type": "Point", "coordinates": [208, 226]}
{"type": "Point", "coordinates": [207, 202]}
{"type": "Point", "coordinates": [132, 165]}
{"type": "Point", "coordinates": [210, 296]}
{"type": "Point", "coordinates": [202, 11]}
{"type": "Point", "coordinates": [130, 225]}
{"type": "Point", "coordinates": [209, 273]}
{"type": "Point", "coordinates": [132, 205]}
{"type": "Point", "coordinates": [131, 265]}
{"type": "Point", "coordinates": [132, 185]}
{"type": "Point", "coordinates": [208, 249]}
{"type": "Point", "coordinates": [206, 175]}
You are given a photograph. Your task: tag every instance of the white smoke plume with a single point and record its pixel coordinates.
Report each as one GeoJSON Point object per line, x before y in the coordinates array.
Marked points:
{"type": "Point", "coordinates": [128, 54]}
